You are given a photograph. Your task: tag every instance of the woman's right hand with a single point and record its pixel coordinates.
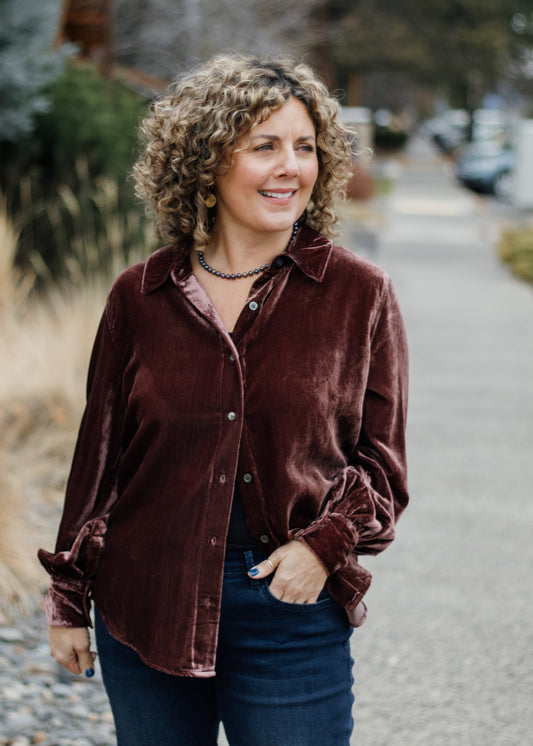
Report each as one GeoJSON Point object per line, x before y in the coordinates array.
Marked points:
{"type": "Point", "coordinates": [70, 647]}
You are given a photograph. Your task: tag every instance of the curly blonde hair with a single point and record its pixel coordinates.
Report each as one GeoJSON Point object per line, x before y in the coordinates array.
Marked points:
{"type": "Point", "coordinates": [194, 127]}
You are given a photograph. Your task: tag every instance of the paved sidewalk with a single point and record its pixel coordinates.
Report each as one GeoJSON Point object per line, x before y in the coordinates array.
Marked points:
{"type": "Point", "coordinates": [445, 656]}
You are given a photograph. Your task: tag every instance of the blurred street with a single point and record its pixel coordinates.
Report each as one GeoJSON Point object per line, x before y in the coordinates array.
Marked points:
{"type": "Point", "coordinates": [445, 656]}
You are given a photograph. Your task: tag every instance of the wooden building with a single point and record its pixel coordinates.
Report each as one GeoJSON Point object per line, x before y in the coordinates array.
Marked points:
{"type": "Point", "coordinates": [89, 25]}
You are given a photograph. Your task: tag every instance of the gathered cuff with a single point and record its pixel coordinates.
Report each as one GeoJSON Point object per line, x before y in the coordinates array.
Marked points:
{"type": "Point", "coordinates": [68, 604]}
{"type": "Point", "coordinates": [332, 538]}
{"type": "Point", "coordinates": [71, 575]}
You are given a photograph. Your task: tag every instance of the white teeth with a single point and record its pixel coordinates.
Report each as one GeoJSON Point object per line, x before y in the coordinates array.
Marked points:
{"type": "Point", "coordinates": [278, 195]}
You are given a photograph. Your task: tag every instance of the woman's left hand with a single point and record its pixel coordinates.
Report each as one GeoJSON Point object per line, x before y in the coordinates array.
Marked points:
{"type": "Point", "coordinates": [299, 576]}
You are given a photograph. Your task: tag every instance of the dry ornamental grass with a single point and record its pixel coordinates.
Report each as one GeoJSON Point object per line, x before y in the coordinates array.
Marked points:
{"type": "Point", "coordinates": [45, 344]}
{"type": "Point", "coordinates": [516, 248]}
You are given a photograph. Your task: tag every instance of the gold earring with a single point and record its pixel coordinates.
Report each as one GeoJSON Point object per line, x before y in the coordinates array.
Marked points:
{"type": "Point", "coordinates": [210, 200]}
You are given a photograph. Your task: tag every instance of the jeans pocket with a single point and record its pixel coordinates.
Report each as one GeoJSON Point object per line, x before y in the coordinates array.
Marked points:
{"type": "Point", "coordinates": [324, 600]}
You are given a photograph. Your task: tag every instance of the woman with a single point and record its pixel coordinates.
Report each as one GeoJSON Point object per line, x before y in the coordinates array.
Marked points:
{"type": "Point", "coordinates": [243, 440]}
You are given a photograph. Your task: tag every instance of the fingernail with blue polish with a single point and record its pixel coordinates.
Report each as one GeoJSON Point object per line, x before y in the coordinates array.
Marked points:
{"type": "Point", "coordinates": [253, 572]}
{"type": "Point", "coordinates": [89, 673]}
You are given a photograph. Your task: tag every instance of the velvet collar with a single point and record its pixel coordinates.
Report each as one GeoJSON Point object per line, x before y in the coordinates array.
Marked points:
{"type": "Point", "coordinates": [310, 251]}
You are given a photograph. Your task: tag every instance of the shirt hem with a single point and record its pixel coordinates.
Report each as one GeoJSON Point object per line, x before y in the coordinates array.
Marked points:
{"type": "Point", "coordinates": [199, 673]}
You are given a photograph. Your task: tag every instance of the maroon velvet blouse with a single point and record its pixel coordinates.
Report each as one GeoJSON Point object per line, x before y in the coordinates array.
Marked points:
{"type": "Point", "coordinates": [303, 406]}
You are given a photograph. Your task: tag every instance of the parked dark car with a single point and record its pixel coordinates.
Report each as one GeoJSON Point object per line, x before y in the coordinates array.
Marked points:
{"type": "Point", "coordinates": [488, 168]}
{"type": "Point", "coordinates": [449, 130]}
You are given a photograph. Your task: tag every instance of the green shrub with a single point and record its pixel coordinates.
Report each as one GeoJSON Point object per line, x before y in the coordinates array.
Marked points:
{"type": "Point", "coordinates": [389, 138]}
{"type": "Point", "coordinates": [87, 134]}
{"type": "Point", "coordinates": [516, 248]}
{"type": "Point", "coordinates": [90, 116]}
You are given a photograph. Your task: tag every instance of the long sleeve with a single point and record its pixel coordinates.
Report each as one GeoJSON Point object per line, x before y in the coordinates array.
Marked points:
{"type": "Point", "coordinates": [371, 492]}
{"type": "Point", "coordinates": [303, 406]}
{"type": "Point", "coordinates": [91, 490]}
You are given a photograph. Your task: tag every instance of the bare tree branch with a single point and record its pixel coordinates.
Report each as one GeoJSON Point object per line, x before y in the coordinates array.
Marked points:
{"type": "Point", "coordinates": [159, 36]}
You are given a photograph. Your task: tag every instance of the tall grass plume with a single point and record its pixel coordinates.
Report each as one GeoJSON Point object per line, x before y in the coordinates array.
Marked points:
{"type": "Point", "coordinates": [45, 342]}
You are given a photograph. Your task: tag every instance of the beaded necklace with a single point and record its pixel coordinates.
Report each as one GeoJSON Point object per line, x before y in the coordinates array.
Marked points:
{"type": "Point", "coordinates": [239, 275]}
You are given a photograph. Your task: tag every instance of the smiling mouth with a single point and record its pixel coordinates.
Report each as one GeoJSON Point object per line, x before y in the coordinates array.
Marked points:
{"type": "Point", "coordinates": [278, 195]}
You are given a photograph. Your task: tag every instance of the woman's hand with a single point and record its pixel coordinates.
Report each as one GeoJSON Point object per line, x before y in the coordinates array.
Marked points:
{"type": "Point", "coordinates": [299, 576]}
{"type": "Point", "coordinates": [70, 647]}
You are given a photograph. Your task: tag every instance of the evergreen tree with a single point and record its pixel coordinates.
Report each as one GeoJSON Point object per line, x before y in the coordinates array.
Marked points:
{"type": "Point", "coordinates": [27, 63]}
{"type": "Point", "coordinates": [460, 46]}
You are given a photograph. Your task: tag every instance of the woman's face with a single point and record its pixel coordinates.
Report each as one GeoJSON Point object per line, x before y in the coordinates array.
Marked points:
{"type": "Point", "coordinates": [273, 171]}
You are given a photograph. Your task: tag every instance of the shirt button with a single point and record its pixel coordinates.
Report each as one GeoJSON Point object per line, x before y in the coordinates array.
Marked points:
{"type": "Point", "coordinates": [231, 416]}
{"type": "Point", "coordinates": [264, 538]}
{"type": "Point", "coordinates": [247, 478]}
{"type": "Point", "coordinates": [279, 261]}
{"type": "Point", "coordinates": [232, 357]}
{"type": "Point", "coordinates": [213, 541]}
{"type": "Point", "coordinates": [253, 306]}
{"type": "Point", "coordinates": [222, 479]}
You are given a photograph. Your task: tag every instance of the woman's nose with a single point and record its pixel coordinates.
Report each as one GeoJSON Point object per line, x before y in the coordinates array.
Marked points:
{"type": "Point", "coordinates": [288, 163]}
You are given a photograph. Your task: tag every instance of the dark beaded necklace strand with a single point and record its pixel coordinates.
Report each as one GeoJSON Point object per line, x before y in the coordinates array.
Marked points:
{"type": "Point", "coordinates": [238, 275]}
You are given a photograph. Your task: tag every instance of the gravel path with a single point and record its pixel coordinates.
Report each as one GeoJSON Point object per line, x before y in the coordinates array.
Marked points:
{"type": "Point", "coordinates": [41, 703]}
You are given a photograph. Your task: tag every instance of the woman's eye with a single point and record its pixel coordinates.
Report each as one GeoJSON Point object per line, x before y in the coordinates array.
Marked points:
{"type": "Point", "coordinates": [307, 148]}
{"type": "Point", "coordinates": [264, 146]}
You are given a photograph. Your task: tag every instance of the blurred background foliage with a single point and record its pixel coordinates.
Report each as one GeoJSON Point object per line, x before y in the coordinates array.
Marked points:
{"type": "Point", "coordinates": [516, 249]}
{"type": "Point", "coordinates": [460, 49]}
{"type": "Point", "coordinates": [76, 76]}
{"type": "Point", "coordinates": [67, 182]}
{"type": "Point", "coordinates": [27, 63]}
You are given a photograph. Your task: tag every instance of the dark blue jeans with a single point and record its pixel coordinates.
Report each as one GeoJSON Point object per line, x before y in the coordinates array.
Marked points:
{"type": "Point", "coordinates": [283, 676]}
